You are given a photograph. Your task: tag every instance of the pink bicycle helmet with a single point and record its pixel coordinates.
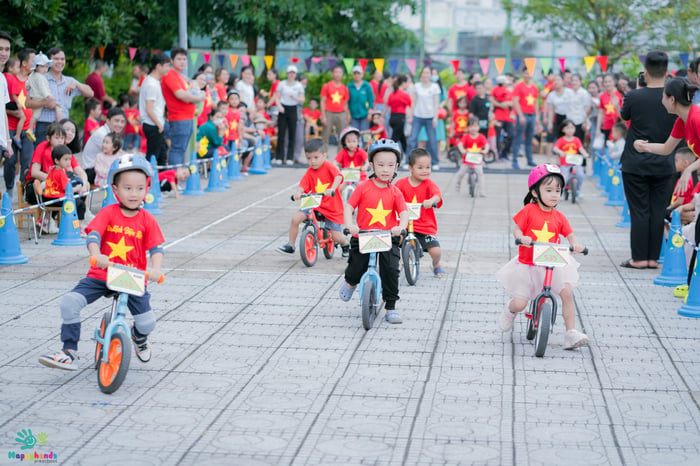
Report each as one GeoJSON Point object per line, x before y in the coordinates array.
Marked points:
{"type": "Point", "coordinates": [540, 171]}
{"type": "Point", "coordinates": [345, 132]}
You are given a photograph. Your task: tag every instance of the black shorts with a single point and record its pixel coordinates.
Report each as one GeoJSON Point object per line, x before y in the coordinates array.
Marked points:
{"type": "Point", "coordinates": [427, 241]}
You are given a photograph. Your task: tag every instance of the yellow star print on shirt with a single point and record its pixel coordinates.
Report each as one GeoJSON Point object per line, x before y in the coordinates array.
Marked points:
{"type": "Point", "coordinates": [692, 148]}
{"type": "Point", "coordinates": [336, 97]}
{"type": "Point", "coordinates": [321, 187]}
{"type": "Point", "coordinates": [474, 148]}
{"type": "Point", "coordinates": [609, 109]}
{"type": "Point", "coordinates": [21, 99]}
{"type": "Point", "coordinates": [119, 249]}
{"type": "Point", "coordinates": [379, 213]}
{"type": "Point", "coordinates": [530, 99]}
{"type": "Point", "coordinates": [543, 235]}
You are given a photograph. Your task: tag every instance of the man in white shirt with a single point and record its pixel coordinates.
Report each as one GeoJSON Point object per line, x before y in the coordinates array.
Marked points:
{"type": "Point", "coordinates": [152, 108]}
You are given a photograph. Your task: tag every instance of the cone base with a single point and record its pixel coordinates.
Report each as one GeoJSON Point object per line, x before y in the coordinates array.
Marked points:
{"type": "Point", "coordinates": [193, 193]}
{"type": "Point", "coordinates": [687, 310]}
{"type": "Point", "coordinates": [235, 178]}
{"type": "Point", "coordinates": [623, 225]}
{"type": "Point", "coordinates": [257, 171]}
{"type": "Point", "coordinates": [615, 203]}
{"type": "Point", "coordinates": [671, 281]}
{"type": "Point", "coordinates": [14, 260]}
{"type": "Point", "coordinates": [68, 242]}
{"type": "Point", "coordinates": [217, 189]}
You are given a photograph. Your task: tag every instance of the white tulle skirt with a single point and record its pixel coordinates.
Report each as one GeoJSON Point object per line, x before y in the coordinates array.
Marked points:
{"type": "Point", "coordinates": [525, 281]}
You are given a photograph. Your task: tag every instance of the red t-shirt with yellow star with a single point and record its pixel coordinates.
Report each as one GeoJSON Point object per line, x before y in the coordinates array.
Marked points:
{"type": "Point", "coordinates": [56, 183]}
{"type": "Point", "coordinates": [312, 115]}
{"type": "Point", "coordinates": [471, 144]}
{"type": "Point", "coordinates": [689, 130]}
{"type": "Point", "coordinates": [377, 207]}
{"type": "Point", "coordinates": [233, 117]}
{"type": "Point", "coordinates": [318, 181]}
{"type": "Point", "coordinates": [568, 147]}
{"type": "Point", "coordinates": [541, 226]}
{"type": "Point", "coordinates": [336, 96]}
{"type": "Point", "coordinates": [125, 240]}
{"type": "Point", "coordinates": [527, 96]}
{"type": "Point", "coordinates": [610, 114]}
{"type": "Point", "coordinates": [460, 121]}
{"type": "Point", "coordinates": [455, 92]}
{"type": "Point", "coordinates": [17, 87]}
{"type": "Point", "coordinates": [501, 94]}
{"type": "Point", "coordinates": [427, 223]}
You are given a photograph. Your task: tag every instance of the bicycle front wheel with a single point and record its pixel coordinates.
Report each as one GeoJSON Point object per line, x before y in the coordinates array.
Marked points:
{"type": "Point", "coordinates": [411, 264]}
{"type": "Point", "coordinates": [369, 304]}
{"type": "Point", "coordinates": [98, 346]}
{"type": "Point", "coordinates": [573, 187]}
{"type": "Point", "coordinates": [543, 324]}
{"type": "Point", "coordinates": [308, 246]}
{"type": "Point", "coordinates": [112, 372]}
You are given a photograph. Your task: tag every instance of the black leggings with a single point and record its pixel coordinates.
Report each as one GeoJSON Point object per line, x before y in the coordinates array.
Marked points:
{"type": "Point", "coordinates": [398, 123]}
{"type": "Point", "coordinates": [287, 130]}
{"type": "Point", "coordinates": [388, 270]}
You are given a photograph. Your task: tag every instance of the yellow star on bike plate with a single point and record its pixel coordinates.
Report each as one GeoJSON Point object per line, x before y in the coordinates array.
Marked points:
{"type": "Point", "coordinates": [321, 187]}
{"type": "Point", "coordinates": [543, 235]}
{"type": "Point", "coordinates": [119, 249]}
{"type": "Point", "coordinates": [378, 214]}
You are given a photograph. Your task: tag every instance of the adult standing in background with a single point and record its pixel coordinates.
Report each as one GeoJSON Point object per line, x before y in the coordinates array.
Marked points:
{"type": "Point", "coordinates": [646, 177]}
{"type": "Point", "coordinates": [152, 108]}
{"type": "Point", "coordinates": [381, 96]}
{"type": "Point", "coordinates": [425, 104]}
{"type": "Point", "coordinates": [334, 104]}
{"type": "Point", "coordinates": [609, 109]}
{"type": "Point", "coordinates": [246, 88]}
{"type": "Point", "coordinates": [97, 84]}
{"type": "Point", "coordinates": [299, 155]}
{"type": "Point", "coordinates": [361, 100]}
{"type": "Point", "coordinates": [579, 107]}
{"type": "Point", "coordinates": [290, 93]}
{"type": "Point", "coordinates": [5, 146]}
{"type": "Point", "coordinates": [63, 89]}
{"type": "Point", "coordinates": [694, 78]}
{"type": "Point", "coordinates": [139, 73]}
{"type": "Point", "coordinates": [17, 88]}
{"type": "Point", "coordinates": [398, 104]}
{"type": "Point", "coordinates": [502, 102]}
{"type": "Point", "coordinates": [558, 103]}
{"type": "Point", "coordinates": [527, 109]}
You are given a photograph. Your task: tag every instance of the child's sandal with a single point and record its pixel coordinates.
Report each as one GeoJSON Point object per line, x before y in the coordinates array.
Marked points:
{"type": "Point", "coordinates": [438, 272]}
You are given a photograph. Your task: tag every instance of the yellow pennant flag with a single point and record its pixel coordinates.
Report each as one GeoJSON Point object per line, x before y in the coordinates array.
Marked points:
{"type": "Point", "coordinates": [500, 64]}
{"type": "Point", "coordinates": [530, 65]}
{"type": "Point", "coordinates": [269, 59]}
{"type": "Point", "coordinates": [590, 61]}
{"type": "Point", "coordinates": [379, 64]}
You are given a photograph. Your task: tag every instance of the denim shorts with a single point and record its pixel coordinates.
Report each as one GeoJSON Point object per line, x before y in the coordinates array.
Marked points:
{"type": "Point", "coordinates": [330, 225]}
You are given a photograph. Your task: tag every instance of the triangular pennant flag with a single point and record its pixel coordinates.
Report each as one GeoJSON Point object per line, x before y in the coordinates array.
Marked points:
{"type": "Point", "coordinates": [207, 57]}
{"type": "Point", "coordinates": [516, 63]}
{"type": "Point", "coordinates": [642, 58]}
{"type": "Point", "coordinates": [92, 53]}
{"type": "Point", "coordinates": [379, 64]}
{"type": "Point", "coordinates": [220, 57]}
{"type": "Point", "coordinates": [167, 52]}
{"type": "Point", "coordinates": [132, 53]}
{"type": "Point", "coordinates": [254, 61]}
{"type": "Point", "coordinates": [144, 54]}
{"type": "Point", "coordinates": [393, 64]}
{"type": "Point", "coordinates": [348, 62]}
{"type": "Point", "coordinates": [234, 58]}
{"type": "Point", "coordinates": [331, 63]}
{"type": "Point", "coordinates": [316, 60]}
{"type": "Point", "coordinates": [193, 57]}
{"type": "Point", "coordinates": [307, 61]}
{"type": "Point", "coordinates": [589, 61]}
{"type": "Point", "coordinates": [469, 62]}
{"type": "Point", "coordinates": [455, 65]}
{"type": "Point", "coordinates": [121, 50]}
{"type": "Point", "coordinates": [295, 59]}
{"type": "Point", "coordinates": [500, 64]}
{"type": "Point", "coordinates": [411, 63]}
{"type": "Point", "coordinates": [562, 64]}
{"type": "Point", "coordinates": [427, 61]}
{"type": "Point", "coordinates": [530, 65]}
{"type": "Point", "coordinates": [603, 62]}
{"type": "Point", "coordinates": [546, 64]}
{"type": "Point", "coordinates": [363, 64]}
{"type": "Point", "coordinates": [101, 51]}
{"type": "Point", "coordinates": [684, 58]}
{"type": "Point", "coordinates": [280, 63]}
{"type": "Point", "coordinates": [484, 63]}
{"type": "Point", "coordinates": [269, 60]}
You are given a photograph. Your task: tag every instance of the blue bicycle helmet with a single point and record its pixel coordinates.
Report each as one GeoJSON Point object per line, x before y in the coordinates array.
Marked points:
{"type": "Point", "coordinates": [385, 145]}
{"type": "Point", "coordinates": [129, 162]}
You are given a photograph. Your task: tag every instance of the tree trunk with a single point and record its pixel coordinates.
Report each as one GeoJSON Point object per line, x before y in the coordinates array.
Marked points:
{"type": "Point", "coordinates": [252, 45]}
{"type": "Point", "coordinates": [271, 46]}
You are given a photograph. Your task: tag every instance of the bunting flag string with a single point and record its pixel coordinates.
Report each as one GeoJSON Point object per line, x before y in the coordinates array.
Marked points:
{"type": "Point", "coordinates": [469, 62]}
{"type": "Point", "coordinates": [500, 64]}
{"type": "Point", "coordinates": [207, 57]}
{"type": "Point", "coordinates": [269, 60]}
{"type": "Point", "coordinates": [562, 64]}
{"type": "Point", "coordinates": [516, 63]}
{"type": "Point", "coordinates": [220, 57]}
{"type": "Point", "coordinates": [393, 65]}
{"type": "Point", "coordinates": [455, 65]}
{"type": "Point", "coordinates": [331, 63]}
{"type": "Point", "coordinates": [316, 60]}
{"type": "Point", "coordinates": [92, 52]}
{"type": "Point", "coordinates": [684, 58]}
{"type": "Point", "coordinates": [254, 60]}
{"type": "Point", "coordinates": [132, 53]}
{"type": "Point", "coordinates": [245, 59]}
{"type": "Point", "coordinates": [280, 63]}
{"type": "Point", "coordinates": [234, 58]}
{"type": "Point", "coordinates": [307, 62]}
{"type": "Point", "coordinates": [101, 51]}
{"type": "Point", "coordinates": [193, 57]}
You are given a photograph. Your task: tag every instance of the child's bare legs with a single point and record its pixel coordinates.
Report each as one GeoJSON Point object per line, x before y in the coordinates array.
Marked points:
{"type": "Point", "coordinates": [479, 169]}
{"type": "Point", "coordinates": [339, 238]}
{"type": "Point", "coordinates": [568, 308]}
{"type": "Point", "coordinates": [435, 254]}
{"type": "Point", "coordinates": [294, 227]}
{"type": "Point", "coordinates": [516, 305]}
{"type": "Point", "coordinates": [463, 169]}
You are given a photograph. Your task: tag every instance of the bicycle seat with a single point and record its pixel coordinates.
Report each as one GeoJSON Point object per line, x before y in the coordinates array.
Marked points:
{"type": "Point", "coordinates": [319, 216]}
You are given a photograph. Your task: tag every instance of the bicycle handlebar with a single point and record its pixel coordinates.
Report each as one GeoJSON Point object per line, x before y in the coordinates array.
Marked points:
{"type": "Point", "coordinates": [311, 194]}
{"type": "Point", "coordinates": [93, 262]}
{"type": "Point", "coordinates": [571, 248]}
{"type": "Point", "coordinates": [346, 231]}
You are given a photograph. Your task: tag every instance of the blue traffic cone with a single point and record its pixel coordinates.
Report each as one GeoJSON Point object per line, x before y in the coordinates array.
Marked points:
{"type": "Point", "coordinates": [625, 221]}
{"type": "Point", "coordinates": [69, 228]}
{"type": "Point", "coordinates": [691, 307]}
{"type": "Point", "coordinates": [596, 165]}
{"type": "Point", "coordinates": [10, 252]}
{"type": "Point", "coordinates": [266, 152]}
{"type": "Point", "coordinates": [155, 182]}
{"type": "Point", "coordinates": [617, 193]}
{"type": "Point", "coordinates": [109, 197]}
{"type": "Point", "coordinates": [257, 166]}
{"type": "Point", "coordinates": [194, 182]}
{"type": "Point", "coordinates": [223, 171]}
{"type": "Point", "coordinates": [675, 270]}
{"type": "Point", "coordinates": [215, 183]}
{"type": "Point", "coordinates": [663, 250]}
{"type": "Point", "coordinates": [151, 202]}
{"type": "Point", "coordinates": [234, 165]}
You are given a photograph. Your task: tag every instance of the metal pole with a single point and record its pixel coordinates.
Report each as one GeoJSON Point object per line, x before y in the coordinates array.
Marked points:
{"type": "Point", "coordinates": [182, 23]}
{"type": "Point", "coordinates": [421, 55]}
{"type": "Point", "coordinates": [507, 39]}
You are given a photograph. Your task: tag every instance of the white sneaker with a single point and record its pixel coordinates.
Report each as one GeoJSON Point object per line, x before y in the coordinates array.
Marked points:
{"type": "Point", "coordinates": [574, 339]}
{"type": "Point", "coordinates": [289, 162]}
{"type": "Point", "coordinates": [64, 359]}
{"type": "Point", "coordinates": [505, 320]}
{"type": "Point", "coordinates": [436, 167]}
{"type": "Point", "coordinates": [276, 162]}
{"type": "Point", "coordinates": [53, 229]}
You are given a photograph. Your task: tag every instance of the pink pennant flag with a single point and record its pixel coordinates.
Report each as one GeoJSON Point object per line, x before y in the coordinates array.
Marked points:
{"type": "Point", "coordinates": [132, 53]}
{"type": "Point", "coordinates": [316, 60]}
{"type": "Point", "coordinates": [562, 64]}
{"type": "Point", "coordinates": [411, 63]}
{"type": "Point", "coordinates": [207, 57]}
{"type": "Point", "coordinates": [484, 63]}
{"type": "Point", "coordinates": [245, 59]}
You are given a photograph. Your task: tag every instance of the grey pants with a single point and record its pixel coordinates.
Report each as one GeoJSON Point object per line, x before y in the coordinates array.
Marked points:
{"type": "Point", "coordinates": [337, 119]}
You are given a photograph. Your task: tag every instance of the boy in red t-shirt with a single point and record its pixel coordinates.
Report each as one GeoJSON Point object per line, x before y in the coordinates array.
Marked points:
{"type": "Point", "coordinates": [60, 176]}
{"type": "Point", "coordinates": [381, 206]}
{"type": "Point", "coordinates": [132, 140]}
{"type": "Point", "coordinates": [322, 177]}
{"type": "Point", "coordinates": [683, 158]}
{"type": "Point", "coordinates": [93, 110]}
{"type": "Point", "coordinates": [312, 117]}
{"type": "Point", "coordinates": [122, 234]}
{"type": "Point", "coordinates": [170, 180]}
{"type": "Point", "coordinates": [473, 143]}
{"type": "Point", "coordinates": [419, 188]}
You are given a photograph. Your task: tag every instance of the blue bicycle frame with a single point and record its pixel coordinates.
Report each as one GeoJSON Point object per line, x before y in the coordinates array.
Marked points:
{"type": "Point", "coordinates": [118, 319]}
{"type": "Point", "coordinates": [373, 275]}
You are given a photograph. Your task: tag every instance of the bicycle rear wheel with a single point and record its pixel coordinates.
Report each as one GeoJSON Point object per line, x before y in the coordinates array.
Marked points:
{"type": "Point", "coordinates": [543, 324]}
{"type": "Point", "coordinates": [112, 372]}
{"type": "Point", "coordinates": [369, 304]}
{"type": "Point", "coordinates": [411, 265]}
{"type": "Point", "coordinates": [308, 246]}
{"type": "Point", "coordinates": [329, 247]}
{"type": "Point", "coordinates": [490, 157]}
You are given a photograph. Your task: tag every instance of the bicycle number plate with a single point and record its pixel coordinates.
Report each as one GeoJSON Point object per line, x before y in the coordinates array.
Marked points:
{"type": "Point", "coordinates": [311, 202]}
{"type": "Point", "coordinates": [554, 255]}
{"type": "Point", "coordinates": [414, 210]}
{"type": "Point", "coordinates": [126, 280]}
{"type": "Point", "coordinates": [574, 159]}
{"type": "Point", "coordinates": [351, 174]}
{"type": "Point", "coordinates": [374, 242]}
{"type": "Point", "coordinates": [476, 158]}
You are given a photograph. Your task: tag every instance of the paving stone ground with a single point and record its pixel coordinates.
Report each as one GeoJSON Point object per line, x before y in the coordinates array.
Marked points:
{"type": "Point", "coordinates": [256, 361]}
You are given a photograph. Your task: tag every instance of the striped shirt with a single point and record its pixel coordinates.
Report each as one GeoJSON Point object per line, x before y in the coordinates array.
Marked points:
{"type": "Point", "coordinates": [58, 91]}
